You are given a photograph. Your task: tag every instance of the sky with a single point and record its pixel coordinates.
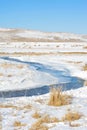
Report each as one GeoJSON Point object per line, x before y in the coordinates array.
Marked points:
{"type": "Point", "coordinates": [45, 15]}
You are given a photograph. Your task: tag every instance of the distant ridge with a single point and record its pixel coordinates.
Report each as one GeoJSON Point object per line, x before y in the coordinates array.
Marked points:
{"type": "Point", "coordinates": [24, 35]}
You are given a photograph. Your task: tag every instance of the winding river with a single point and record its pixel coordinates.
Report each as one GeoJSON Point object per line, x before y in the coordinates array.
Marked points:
{"type": "Point", "coordinates": [66, 80]}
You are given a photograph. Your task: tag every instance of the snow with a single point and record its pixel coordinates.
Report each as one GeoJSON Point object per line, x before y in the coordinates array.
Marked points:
{"type": "Point", "coordinates": [16, 75]}
{"type": "Point", "coordinates": [38, 34]}
{"type": "Point", "coordinates": [4, 29]}
{"type": "Point", "coordinates": [25, 115]}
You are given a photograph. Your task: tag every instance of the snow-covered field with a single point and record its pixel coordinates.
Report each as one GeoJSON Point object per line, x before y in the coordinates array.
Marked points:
{"type": "Point", "coordinates": [31, 59]}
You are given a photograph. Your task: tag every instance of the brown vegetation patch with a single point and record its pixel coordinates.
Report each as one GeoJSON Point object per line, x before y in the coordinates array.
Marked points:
{"type": "Point", "coordinates": [73, 53]}
{"type": "Point", "coordinates": [41, 53]}
{"type": "Point", "coordinates": [58, 98]}
{"type": "Point", "coordinates": [15, 107]}
{"type": "Point", "coordinates": [10, 65]}
{"type": "Point", "coordinates": [26, 53]}
{"type": "Point", "coordinates": [71, 116]}
{"type": "Point", "coordinates": [48, 119]}
{"type": "Point", "coordinates": [39, 124]}
{"type": "Point", "coordinates": [18, 124]}
{"type": "Point", "coordinates": [36, 115]}
{"type": "Point", "coordinates": [85, 47]}
{"type": "Point", "coordinates": [85, 83]}
{"type": "Point", "coordinates": [85, 67]}
{"type": "Point", "coordinates": [6, 65]}
{"type": "Point", "coordinates": [27, 106]}
{"type": "Point", "coordinates": [8, 106]}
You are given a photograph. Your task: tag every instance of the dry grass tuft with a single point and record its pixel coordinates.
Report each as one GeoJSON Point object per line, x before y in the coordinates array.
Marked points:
{"type": "Point", "coordinates": [18, 124]}
{"type": "Point", "coordinates": [57, 98]}
{"type": "Point", "coordinates": [85, 67]}
{"type": "Point", "coordinates": [8, 106]}
{"type": "Point", "coordinates": [36, 115]}
{"type": "Point", "coordinates": [39, 124]}
{"type": "Point", "coordinates": [48, 119]}
{"type": "Point", "coordinates": [71, 116]}
{"type": "Point", "coordinates": [25, 107]}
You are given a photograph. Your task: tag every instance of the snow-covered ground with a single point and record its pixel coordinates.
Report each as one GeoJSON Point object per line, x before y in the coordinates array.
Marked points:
{"type": "Point", "coordinates": [69, 58]}
{"type": "Point", "coordinates": [22, 109]}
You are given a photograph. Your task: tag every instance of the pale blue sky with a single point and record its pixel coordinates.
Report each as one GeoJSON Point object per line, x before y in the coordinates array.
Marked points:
{"type": "Point", "coordinates": [45, 15]}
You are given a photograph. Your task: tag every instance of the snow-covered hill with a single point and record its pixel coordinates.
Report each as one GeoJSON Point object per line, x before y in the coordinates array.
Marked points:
{"type": "Point", "coordinates": [20, 35]}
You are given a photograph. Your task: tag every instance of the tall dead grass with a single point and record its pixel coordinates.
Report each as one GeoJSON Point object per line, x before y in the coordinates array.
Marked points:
{"type": "Point", "coordinates": [58, 98]}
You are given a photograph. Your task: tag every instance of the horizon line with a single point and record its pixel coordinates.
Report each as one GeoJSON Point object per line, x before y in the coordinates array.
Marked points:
{"type": "Point", "coordinates": [37, 30]}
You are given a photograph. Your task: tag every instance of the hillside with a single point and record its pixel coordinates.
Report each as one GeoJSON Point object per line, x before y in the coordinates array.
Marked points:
{"type": "Point", "coordinates": [21, 35]}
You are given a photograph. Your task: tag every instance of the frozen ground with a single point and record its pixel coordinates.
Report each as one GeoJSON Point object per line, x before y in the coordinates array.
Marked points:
{"type": "Point", "coordinates": [69, 58]}
{"type": "Point", "coordinates": [22, 109]}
